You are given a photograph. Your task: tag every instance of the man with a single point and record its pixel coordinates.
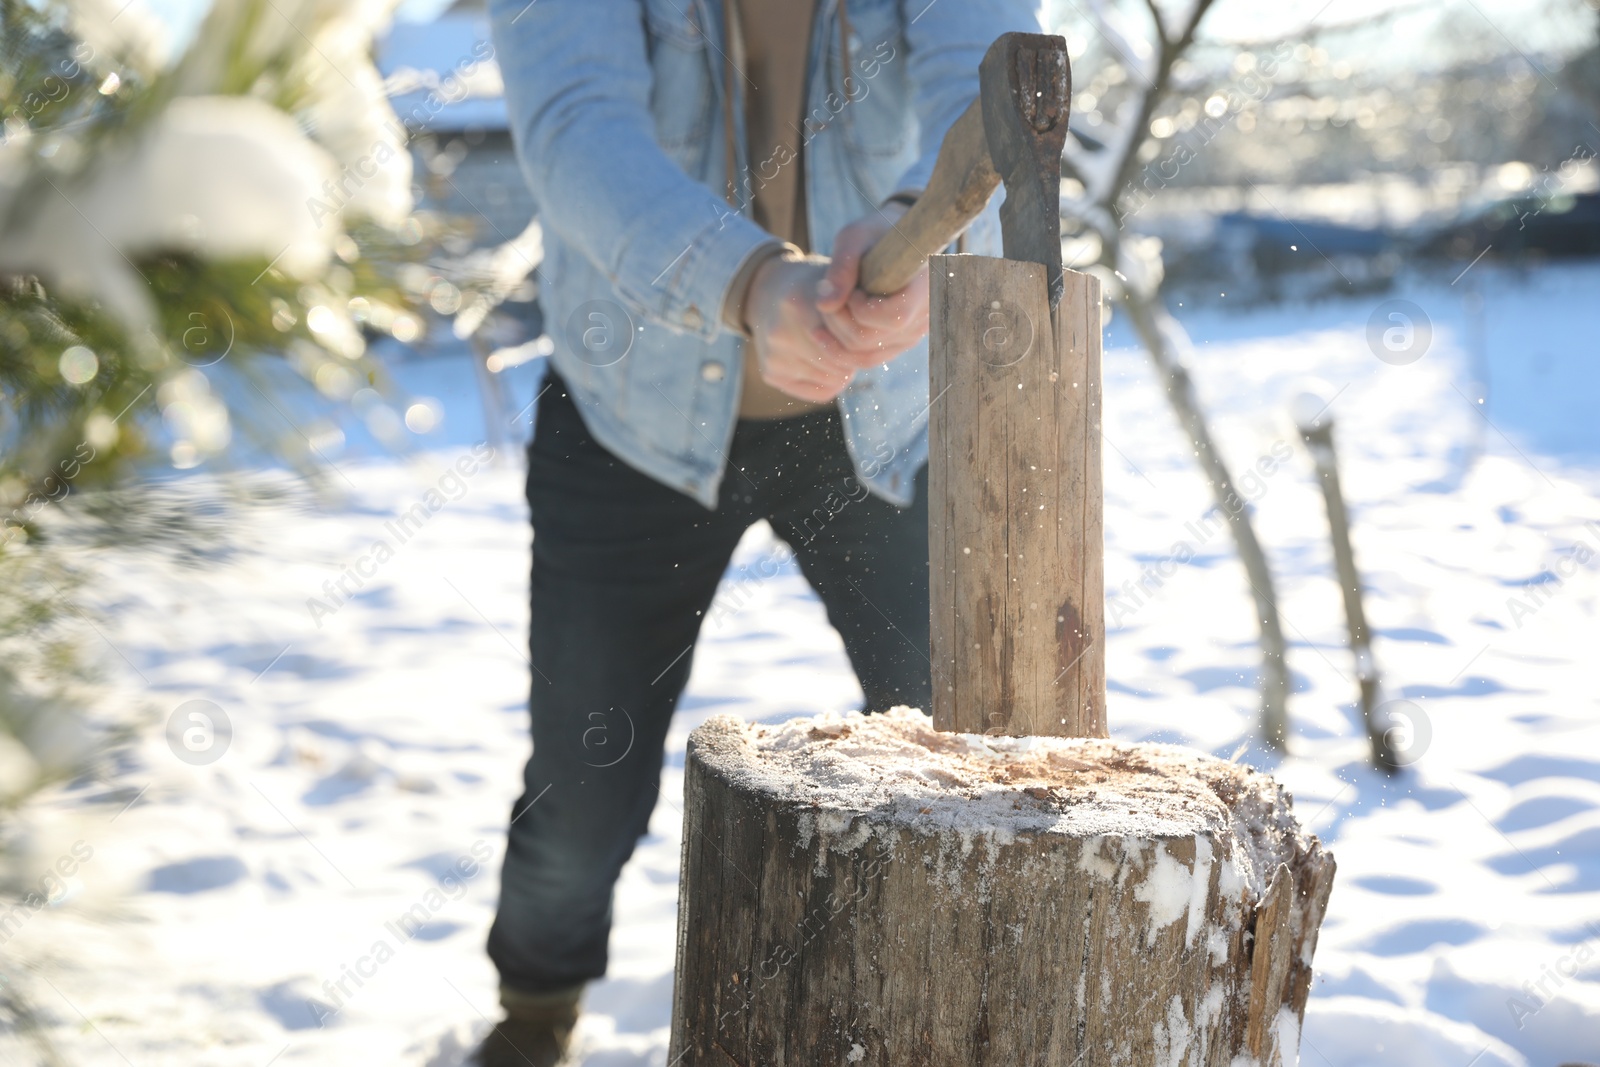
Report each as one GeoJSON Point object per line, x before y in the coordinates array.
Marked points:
{"type": "Point", "coordinates": [693, 161]}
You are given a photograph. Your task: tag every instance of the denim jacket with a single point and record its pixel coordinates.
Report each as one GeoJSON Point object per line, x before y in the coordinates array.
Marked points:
{"type": "Point", "coordinates": [617, 111]}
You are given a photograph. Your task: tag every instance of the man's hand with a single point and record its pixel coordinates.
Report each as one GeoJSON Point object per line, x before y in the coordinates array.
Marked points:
{"type": "Point", "coordinates": [872, 329]}
{"type": "Point", "coordinates": [795, 351]}
{"type": "Point", "coordinates": [813, 330]}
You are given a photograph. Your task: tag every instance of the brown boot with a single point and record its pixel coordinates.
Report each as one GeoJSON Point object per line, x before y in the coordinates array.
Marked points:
{"type": "Point", "coordinates": [536, 1032]}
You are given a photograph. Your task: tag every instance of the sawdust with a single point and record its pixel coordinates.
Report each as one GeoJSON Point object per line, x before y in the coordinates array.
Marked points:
{"type": "Point", "coordinates": [896, 768]}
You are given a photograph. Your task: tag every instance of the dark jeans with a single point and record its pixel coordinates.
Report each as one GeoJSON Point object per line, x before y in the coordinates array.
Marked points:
{"type": "Point", "coordinates": [624, 570]}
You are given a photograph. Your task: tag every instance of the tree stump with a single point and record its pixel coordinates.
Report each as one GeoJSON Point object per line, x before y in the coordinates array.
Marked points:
{"type": "Point", "coordinates": [867, 890]}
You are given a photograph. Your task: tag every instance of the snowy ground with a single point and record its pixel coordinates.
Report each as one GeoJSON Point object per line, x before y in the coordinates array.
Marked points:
{"type": "Point", "coordinates": [372, 752]}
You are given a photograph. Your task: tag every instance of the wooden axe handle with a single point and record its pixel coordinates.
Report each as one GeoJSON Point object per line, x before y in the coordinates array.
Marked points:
{"type": "Point", "coordinates": [963, 179]}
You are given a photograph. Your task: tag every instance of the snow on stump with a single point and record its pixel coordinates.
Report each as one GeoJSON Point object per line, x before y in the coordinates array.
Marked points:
{"type": "Point", "coordinates": [867, 890]}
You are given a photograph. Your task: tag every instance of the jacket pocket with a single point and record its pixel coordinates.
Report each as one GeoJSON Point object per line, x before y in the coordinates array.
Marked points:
{"type": "Point", "coordinates": [681, 95]}
{"type": "Point", "coordinates": [876, 113]}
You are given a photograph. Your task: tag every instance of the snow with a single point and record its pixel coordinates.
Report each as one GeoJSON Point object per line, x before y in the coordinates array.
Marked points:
{"type": "Point", "coordinates": [896, 767]}
{"type": "Point", "coordinates": [373, 760]}
{"type": "Point", "coordinates": [226, 177]}
{"type": "Point", "coordinates": [1174, 891]}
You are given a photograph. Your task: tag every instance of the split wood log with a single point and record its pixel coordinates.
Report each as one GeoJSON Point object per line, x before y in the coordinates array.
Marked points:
{"type": "Point", "coordinates": [1016, 586]}
{"type": "Point", "coordinates": [868, 890]}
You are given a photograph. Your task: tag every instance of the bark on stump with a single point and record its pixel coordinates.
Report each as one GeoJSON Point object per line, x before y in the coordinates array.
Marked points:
{"type": "Point", "coordinates": [871, 891]}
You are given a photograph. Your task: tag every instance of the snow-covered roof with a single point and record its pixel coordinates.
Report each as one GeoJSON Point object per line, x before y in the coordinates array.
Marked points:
{"type": "Point", "coordinates": [437, 76]}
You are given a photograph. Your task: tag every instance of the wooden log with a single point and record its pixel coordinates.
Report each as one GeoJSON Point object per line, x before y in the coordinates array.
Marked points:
{"type": "Point", "coordinates": [1017, 592]}
{"type": "Point", "coordinates": [868, 890]}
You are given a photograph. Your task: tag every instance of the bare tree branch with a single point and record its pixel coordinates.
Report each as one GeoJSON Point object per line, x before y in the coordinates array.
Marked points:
{"type": "Point", "coordinates": [1164, 341]}
{"type": "Point", "coordinates": [1152, 98]}
{"type": "Point", "coordinates": [1155, 16]}
{"type": "Point", "coordinates": [1156, 329]}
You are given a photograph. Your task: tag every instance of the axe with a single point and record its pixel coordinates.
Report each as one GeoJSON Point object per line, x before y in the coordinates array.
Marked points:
{"type": "Point", "coordinates": [1016, 587]}
{"type": "Point", "coordinates": [1013, 132]}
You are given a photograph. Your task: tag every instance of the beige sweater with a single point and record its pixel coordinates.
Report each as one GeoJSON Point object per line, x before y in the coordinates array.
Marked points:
{"type": "Point", "coordinates": [771, 39]}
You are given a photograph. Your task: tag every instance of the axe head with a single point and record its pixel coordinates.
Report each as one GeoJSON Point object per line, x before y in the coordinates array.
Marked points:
{"type": "Point", "coordinates": [1025, 85]}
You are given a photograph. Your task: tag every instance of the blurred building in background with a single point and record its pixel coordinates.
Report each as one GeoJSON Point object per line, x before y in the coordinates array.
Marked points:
{"type": "Point", "coordinates": [446, 88]}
